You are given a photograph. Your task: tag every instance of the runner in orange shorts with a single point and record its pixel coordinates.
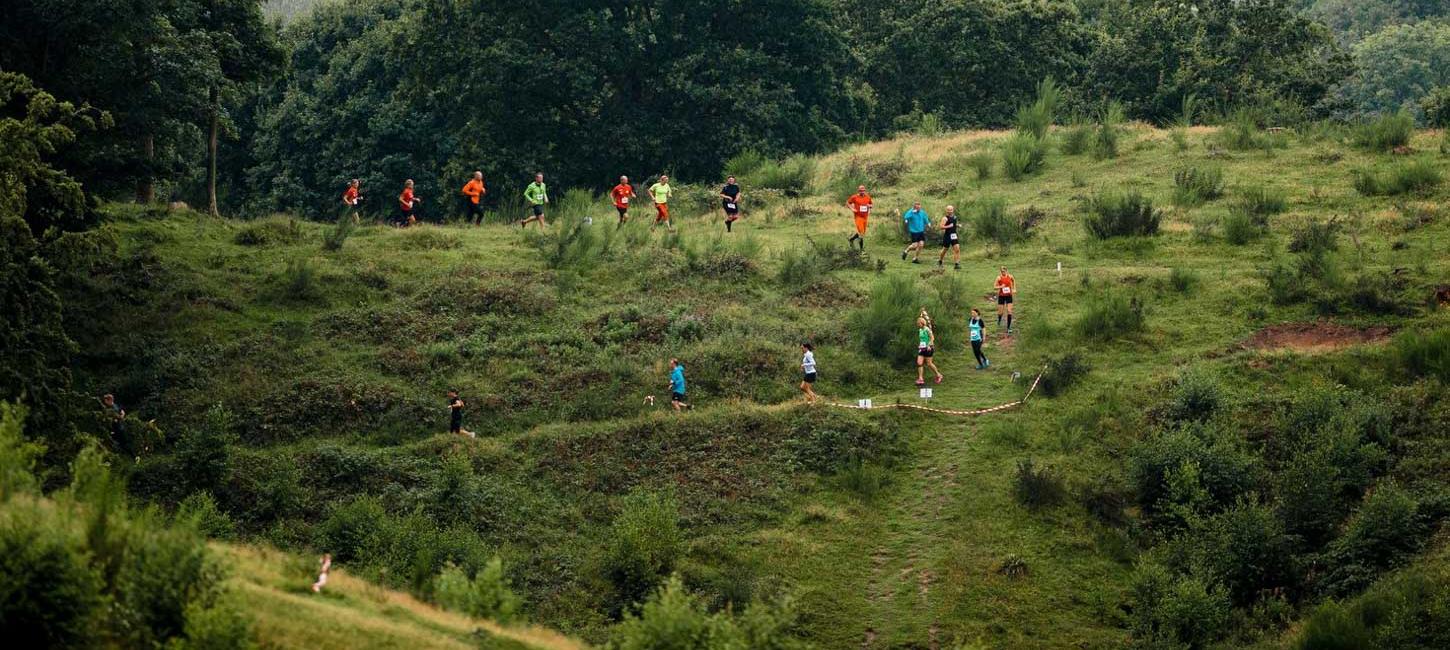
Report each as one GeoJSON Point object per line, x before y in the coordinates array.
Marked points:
{"type": "Point", "coordinates": [860, 206]}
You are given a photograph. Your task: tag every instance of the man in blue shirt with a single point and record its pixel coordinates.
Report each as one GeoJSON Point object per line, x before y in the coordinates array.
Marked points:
{"type": "Point", "coordinates": [916, 221]}
{"type": "Point", "coordinates": [677, 385]}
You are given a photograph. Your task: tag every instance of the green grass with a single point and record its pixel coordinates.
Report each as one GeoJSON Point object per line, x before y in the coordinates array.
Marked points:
{"type": "Point", "coordinates": [555, 340]}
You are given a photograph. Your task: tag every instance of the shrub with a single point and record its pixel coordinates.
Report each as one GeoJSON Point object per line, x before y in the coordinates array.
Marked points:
{"type": "Point", "coordinates": [791, 176]}
{"type": "Point", "coordinates": [1182, 280]}
{"type": "Point", "coordinates": [1241, 133]}
{"type": "Point", "coordinates": [1061, 372]}
{"type": "Point", "coordinates": [338, 235]}
{"type": "Point", "coordinates": [981, 162]}
{"type": "Point", "coordinates": [50, 594]}
{"type": "Point", "coordinates": [299, 280]}
{"type": "Point", "coordinates": [1244, 548]}
{"type": "Point", "coordinates": [486, 595]}
{"type": "Point", "coordinates": [221, 626]}
{"type": "Point", "coordinates": [644, 545]}
{"type": "Point", "coordinates": [799, 270]}
{"type": "Point", "coordinates": [887, 325]}
{"type": "Point", "coordinates": [355, 530]}
{"type": "Point", "coordinates": [743, 164]}
{"type": "Point", "coordinates": [991, 222]}
{"type": "Point", "coordinates": [1110, 316]}
{"type": "Point", "coordinates": [1105, 145]}
{"type": "Point", "coordinates": [1077, 139]}
{"type": "Point", "coordinates": [1171, 611]}
{"type": "Point", "coordinates": [1418, 176]}
{"type": "Point", "coordinates": [1333, 627]}
{"type": "Point", "coordinates": [1037, 487]}
{"type": "Point", "coordinates": [1259, 202]}
{"type": "Point", "coordinates": [1424, 354]}
{"type": "Point", "coordinates": [1188, 471]}
{"type": "Point", "coordinates": [673, 618]}
{"type": "Point", "coordinates": [200, 511]}
{"type": "Point", "coordinates": [862, 478]}
{"type": "Point", "coordinates": [271, 231]}
{"type": "Point", "coordinates": [1386, 131]}
{"type": "Point", "coordinates": [1114, 214]}
{"type": "Point", "coordinates": [1194, 186]}
{"type": "Point", "coordinates": [1436, 107]}
{"type": "Point", "coordinates": [1195, 397]}
{"type": "Point", "coordinates": [1386, 530]}
{"type": "Point", "coordinates": [1240, 228]}
{"type": "Point", "coordinates": [1022, 156]}
{"type": "Point", "coordinates": [206, 451]}
{"type": "Point", "coordinates": [1324, 471]}
{"type": "Point", "coordinates": [1036, 118]}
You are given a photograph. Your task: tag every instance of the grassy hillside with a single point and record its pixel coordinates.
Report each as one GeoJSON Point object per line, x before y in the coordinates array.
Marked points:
{"type": "Point", "coordinates": [317, 375]}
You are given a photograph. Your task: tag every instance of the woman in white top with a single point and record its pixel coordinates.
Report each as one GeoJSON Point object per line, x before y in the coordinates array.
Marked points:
{"type": "Point", "coordinates": [808, 367]}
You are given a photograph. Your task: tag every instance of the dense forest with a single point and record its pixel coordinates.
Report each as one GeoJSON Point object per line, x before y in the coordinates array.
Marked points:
{"type": "Point", "coordinates": [284, 401]}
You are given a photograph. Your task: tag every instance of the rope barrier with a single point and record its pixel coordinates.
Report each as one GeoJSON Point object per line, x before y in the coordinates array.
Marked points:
{"type": "Point", "coordinates": [993, 409]}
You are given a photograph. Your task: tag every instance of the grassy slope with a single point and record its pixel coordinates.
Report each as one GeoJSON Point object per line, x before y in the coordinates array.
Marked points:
{"type": "Point", "coordinates": [917, 560]}
{"type": "Point", "coordinates": [275, 589]}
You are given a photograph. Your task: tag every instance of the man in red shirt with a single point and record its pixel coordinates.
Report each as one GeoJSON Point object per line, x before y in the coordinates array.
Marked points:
{"type": "Point", "coordinates": [351, 199]}
{"type": "Point", "coordinates": [1006, 286]}
{"type": "Point", "coordinates": [406, 201]}
{"type": "Point", "coordinates": [622, 194]}
{"type": "Point", "coordinates": [860, 206]}
{"type": "Point", "coordinates": [474, 190]}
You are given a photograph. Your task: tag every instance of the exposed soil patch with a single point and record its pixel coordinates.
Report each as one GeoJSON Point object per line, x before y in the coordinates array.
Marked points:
{"type": "Point", "coordinates": [1313, 337]}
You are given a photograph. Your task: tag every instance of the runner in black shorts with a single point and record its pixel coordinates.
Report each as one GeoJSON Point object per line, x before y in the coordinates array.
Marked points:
{"type": "Point", "coordinates": [808, 371]}
{"type": "Point", "coordinates": [730, 198]}
{"type": "Point", "coordinates": [949, 240]}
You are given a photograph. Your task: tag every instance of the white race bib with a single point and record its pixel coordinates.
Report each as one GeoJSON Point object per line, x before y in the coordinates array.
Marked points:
{"type": "Point", "coordinates": [1006, 290]}
{"type": "Point", "coordinates": [864, 208]}
{"type": "Point", "coordinates": [624, 200]}
{"type": "Point", "coordinates": [730, 206]}
{"type": "Point", "coordinates": [954, 236]}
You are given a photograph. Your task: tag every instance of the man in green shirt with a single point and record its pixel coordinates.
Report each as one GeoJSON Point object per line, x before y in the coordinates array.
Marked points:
{"type": "Point", "coordinates": [537, 194]}
{"type": "Point", "coordinates": [660, 193]}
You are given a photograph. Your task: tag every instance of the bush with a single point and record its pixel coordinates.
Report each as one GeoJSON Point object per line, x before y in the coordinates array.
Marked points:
{"type": "Point", "coordinates": [1114, 214]}
{"type": "Point", "coordinates": [1077, 139]}
{"type": "Point", "coordinates": [1333, 627]}
{"type": "Point", "coordinates": [1419, 176]}
{"type": "Point", "coordinates": [799, 270]}
{"type": "Point", "coordinates": [335, 238]}
{"type": "Point", "coordinates": [1315, 238]}
{"type": "Point", "coordinates": [1424, 354]}
{"type": "Point", "coordinates": [299, 280]}
{"type": "Point", "coordinates": [1037, 487]}
{"type": "Point", "coordinates": [206, 450]}
{"type": "Point", "coordinates": [1436, 107]}
{"type": "Point", "coordinates": [1036, 118]}
{"type": "Point", "coordinates": [1323, 471]}
{"type": "Point", "coordinates": [744, 163]}
{"type": "Point", "coordinates": [1194, 186]}
{"type": "Point", "coordinates": [1240, 228]}
{"type": "Point", "coordinates": [1245, 549]}
{"type": "Point", "coordinates": [1189, 471]}
{"type": "Point", "coordinates": [1386, 131]}
{"type": "Point", "coordinates": [1195, 397]}
{"type": "Point", "coordinates": [1258, 203]}
{"type": "Point", "coordinates": [1242, 133]}
{"type": "Point", "coordinates": [887, 325]}
{"type": "Point", "coordinates": [355, 530]}
{"type": "Point", "coordinates": [1110, 316]}
{"type": "Point", "coordinates": [644, 545]}
{"type": "Point", "coordinates": [200, 512]}
{"type": "Point", "coordinates": [1386, 530]}
{"type": "Point", "coordinates": [982, 163]}
{"type": "Point", "coordinates": [1061, 372]}
{"type": "Point", "coordinates": [1171, 611]}
{"type": "Point", "coordinates": [1105, 145]}
{"type": "Point", "coordinates": [862, 478]}
{"type": "Point", "coordinates": [486, 595]}
{"type": "Point", "coordinates": [1182, 280]}
{"type": "Point", "coordinates": [1022, 156]}
{"type": "Point", "coordinates": [791, 176]}
{"type": "Point", "coordinates": [991, 222]}
{"type": "Point", "coordinates": [50, 594]}
{"type": "Point", "coordinates": [271, 231]}
{"type": "Point", "coordinates": [673, 619]}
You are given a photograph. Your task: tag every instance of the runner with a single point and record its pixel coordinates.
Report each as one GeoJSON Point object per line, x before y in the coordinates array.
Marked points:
{"type": "Point", "coordinates": [916, 220]}
{"type": "Point", "coordinates": [351, 199]}
{"type": "Point", "coordinates": [537, 194]}
{"type": "Point", "coordinates": [322, 573]}
{"type": "Point", "coordinates": [114, 413]}
{"type": "Point", "coordinates": [677, 385]}
{"type": "Point", "coordinates": [1006, 287]}
{"type": "Point", "coordinates": [808, 367]}
{"type": "Point", "coordinates": [730, 195]}
{"type": "Point", "coordinates": [860, 206]}
{"type": "Point", "coordinates": [406, 201]}
{"type": "Point", "coordinates": [455, 419]}
{"type": "Point", "coordinates": [925, 347]}
{"type": "Point", "coordinates": [949, 239]}
{"type": "Point", "coordinates": [622, 193]}
{"type": "Point", "coordinates": [660, 194]}
{"type": "Point", "coordinates": [978, 337]}
{"type": "Point", "coordinates": [474, 190]}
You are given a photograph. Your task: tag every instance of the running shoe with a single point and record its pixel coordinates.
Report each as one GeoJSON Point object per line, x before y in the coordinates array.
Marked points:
{"type": "Point", "coordinates": [938, 379]}
{"type": "Point", "coordinates": [903, 255]}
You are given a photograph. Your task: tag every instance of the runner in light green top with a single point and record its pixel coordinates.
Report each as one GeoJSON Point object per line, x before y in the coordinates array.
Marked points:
{"type": "Point", "coordinates": [660, 193]}
{"type": "Point", "coordinates": [537, 194]}
{"type": "Point", "coordinates": [925, 348]}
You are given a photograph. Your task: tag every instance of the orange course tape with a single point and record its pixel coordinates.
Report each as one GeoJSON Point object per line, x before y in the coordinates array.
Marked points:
{"type": "Point", "coordinates": [993, 409]}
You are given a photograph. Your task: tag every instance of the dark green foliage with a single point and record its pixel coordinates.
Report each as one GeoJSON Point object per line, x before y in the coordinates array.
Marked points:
{"type": "Point", "coordinates": [401, 551]}
{"type": "Point", "coordinates": [1385, 132]}
{"type": "Point", "coordinates": [1110, 316]}
{"type": "Point", "coordinates": [1436, 107]}
{"type": "Point", "coordinates": [487, 594]}
{"type": "Point", "coordinates": [1418, 176]}
{"type": "Point", "coordinates": [887, 325]}
{"type": "Point", "coordinates": [1023, 155]}
{"type": "Point", "coordinates": [1115, 214]}
{"type": "Point", "coordinates": [1424, 354]}
{"type": "Point", "coordinates": [50, 594]}
{"type": "Point", "coordinates": [1333, 627]}
{"type": "Point", "coordinates": [792, 176]}
{"type": "Point", "coordinates": [337, 236]}
{"type": "Point", "coordinates": [1243, 132]}
{"type": "Point", "coordinates": [1327, 452]}
{"type": "Point", "coordinates": [673, 618]}
{"type": "Point", "coordinates": [205, 451]}
{"type": "Point", "coordinates": [200, 512]}
{"type": "Point", "coordinates": [1183, 280]}
{"type": "Point", "coordinates": [1189, 471]}
{"type": "Point", "coordinates": [1175, 611]}
{"type": "Point", "coordinates": [1195, 397]}
{"type": "Point", "coordinates": [1409, 610]}
{"type": "Point", "coordinates": [34, 367]}
{"type": "Point", "coordinates": [1037, 487]}
{"type": "Point", "coordinates": [1386, 530]}
{"type": "Point", "coordinates": [991, 222]}
{"type": "Point", "coordinates": [1194, 186]}
{"type": "Point", "coordinates": [1061, 373]}
{"type": "Point", "coordinates": [1258, 203]}
{"type": "Point", "coordinates": [299, 281]}
{"type": "Point", "coordinates": [644, 545]}
{"type": "Point", "coordinates": [1244, 548]}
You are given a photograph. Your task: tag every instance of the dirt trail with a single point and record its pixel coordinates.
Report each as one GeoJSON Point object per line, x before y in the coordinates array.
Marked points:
{"type": "Point", "coordinates": [1312, 337]}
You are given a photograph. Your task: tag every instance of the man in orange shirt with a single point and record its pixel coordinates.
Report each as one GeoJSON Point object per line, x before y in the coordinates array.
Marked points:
{"type": "Point", "coordinates": [1006, 288]}
{"type": "Point", "coordinates": [351, 199]}
{"type": "Point", "coordinates": [622, 193]}
{"type": "Point", "coordinates": [474, 190]}
{"type": "Point", "coordinates": [860, 206]}
{"type": "Point", "coordinates": [406, 201]}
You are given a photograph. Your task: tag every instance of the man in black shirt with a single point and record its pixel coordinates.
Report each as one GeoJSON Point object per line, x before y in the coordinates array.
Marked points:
{"type": "Point", "coordinates": [730, 195]}
{"type": "Point", "coordinates": [455, 422]}
{"type": "Point", "coordinates": [949, 240]}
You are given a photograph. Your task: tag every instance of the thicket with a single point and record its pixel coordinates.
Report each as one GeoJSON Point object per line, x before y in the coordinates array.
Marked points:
{"type": "Point", "coordinates": [1117, 214]}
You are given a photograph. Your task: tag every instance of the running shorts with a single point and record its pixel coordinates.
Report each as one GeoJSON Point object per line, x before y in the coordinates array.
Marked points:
{"type": "Point", "coordinates": [1004, 299]}
{"type": "Point", "coordinates": [918, 237]}
{"type": "Point", "coordinates": [925, 352]}
{"type": "Point", "coordinates": [810, 378]}
{"type": "Point", "coordinates": [861, 225]}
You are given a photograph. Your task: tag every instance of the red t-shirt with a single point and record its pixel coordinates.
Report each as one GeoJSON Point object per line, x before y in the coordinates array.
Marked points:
{"type": "Point", "coordinates": [860, 204]}
{"type": "Point", "coordinates": [1006, 284]}
{"type": "Point", "coordinates": [406, 198]}
{"type": "Point", "coordinates": [622, 194]}
{"type": "Point", "coordinates": [350, 196]}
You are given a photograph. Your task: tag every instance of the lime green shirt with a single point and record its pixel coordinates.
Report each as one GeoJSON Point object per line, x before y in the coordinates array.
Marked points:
{"type": "Point", "coordinates": [661, 192]}
{"type": "Point", "coordinates": [924, 336]}
{"type": "Point", "coordinates": [537, 193]}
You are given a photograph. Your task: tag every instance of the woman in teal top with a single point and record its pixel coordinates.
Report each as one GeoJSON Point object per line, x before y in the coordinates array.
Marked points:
{"type": "Point", "coordinates": [925, 347]}
{"type": "Point", "coordinates": [978, 336]}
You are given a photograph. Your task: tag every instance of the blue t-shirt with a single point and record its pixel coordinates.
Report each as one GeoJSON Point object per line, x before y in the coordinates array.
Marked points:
{"type": "Point", "coordinates": [677, 380]}
{"type": "Point", "coordinates": [916, 220]}
{"type": "Point", "coordinates": [976, 325]}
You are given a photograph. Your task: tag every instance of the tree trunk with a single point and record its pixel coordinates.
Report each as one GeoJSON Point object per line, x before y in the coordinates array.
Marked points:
{"type": "Point", "coordinates": [211, 151]}
{"type": "Point", "coordinates": [145, 187]}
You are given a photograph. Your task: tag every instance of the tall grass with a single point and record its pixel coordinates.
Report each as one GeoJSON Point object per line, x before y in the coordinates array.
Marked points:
{"type": "Point", "coordinates": [981, 163]}
{"type": "Point", "coordinates": [1258, 203]}
{"type": "Point", "coordinates": [1385, 132]}
{"type": "Point", "coordinates": [1023, 155]}
{"type": "Point", "coordinates": [991, 222]}
{"type": "Point", "coordinates": [1077, 138]}
{"type": "Point", "coordinates": [1110, 316]}
{"type": "Point", "coordinates": [1117, 214]}
{"type": "Point", "coordinates": [792, 176]}
{"type": "Point", "coordinates": [1110, 118]}
{"type": "Point", "coordinates": [1193, 186]}
{"type": "Point", "coordinates": [1418, 176]}
{"type": "Point", "coordinates": [744, 163]}
{"type": "Point", "coordinates": [1424, 355]}
{"type": "Point", "coordinates": [1036, 118]}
